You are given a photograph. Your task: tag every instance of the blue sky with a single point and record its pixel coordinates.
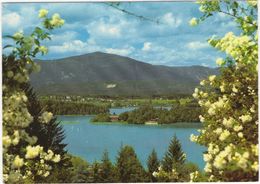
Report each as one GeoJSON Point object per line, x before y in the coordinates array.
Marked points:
{"type": "Point", "coordinates": [94, 27]}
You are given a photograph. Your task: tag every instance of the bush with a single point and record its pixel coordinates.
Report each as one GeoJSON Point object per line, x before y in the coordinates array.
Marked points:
{"type": "Point", "coordinates": [230, 100]}
{"type": "Point", "coordinates": [105, 117]}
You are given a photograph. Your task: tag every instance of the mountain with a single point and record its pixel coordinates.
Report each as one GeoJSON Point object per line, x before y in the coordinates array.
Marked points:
{"type": "Point", "coordinates": [108, 74]}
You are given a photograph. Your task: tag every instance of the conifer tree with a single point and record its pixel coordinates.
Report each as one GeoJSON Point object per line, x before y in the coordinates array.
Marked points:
{"type": "Point", "coordinates": [129, 167]}
{"type": "Point", "coordinates": [174, 155]}
{"type": "Point", "coordinates": [152, 164]}
{"type": "Point", "coordinates": [107, 173]}
{"type": "Point", "coordinates": [49, 135]}
{"type": "Point", "coordinates": [79, 172]}
{"type": "Point", "coordinates": [94, 175]}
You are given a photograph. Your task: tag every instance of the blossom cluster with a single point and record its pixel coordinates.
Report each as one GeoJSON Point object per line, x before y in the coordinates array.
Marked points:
{"type": "Point", "coordinates": [194, 176]}
{"type": "Point", "coordinates": [46, 117]}
{"type": "Point", "coordinates": [55, 21]}
{"type": "Point", "coordinates": [230, 104]}
{"type": "Point", "coordinates": [163, 176]}
{"type": "Point", "coordinates": [28, 46]}
{"type": "Point", "coordinates": [225, 123]}
{"type": "Point", "coordinates": [193, 22]}
{"type": "Point", "coordinates": [243, 49]}
{"type": "Point", "coordinates": [23, 158]}
{"type": "Point", "coordinates": [208, 5]}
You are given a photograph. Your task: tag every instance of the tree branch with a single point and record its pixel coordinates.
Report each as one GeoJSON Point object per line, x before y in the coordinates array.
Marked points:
{"type": "Point", "coordinates": [115, 6]}
{"type": "Point", "coordinates": [227, 13]}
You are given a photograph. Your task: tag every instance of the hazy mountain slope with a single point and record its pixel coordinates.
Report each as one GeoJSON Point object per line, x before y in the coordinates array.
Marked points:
{"type": "Point", "coordinates": [108, 74]}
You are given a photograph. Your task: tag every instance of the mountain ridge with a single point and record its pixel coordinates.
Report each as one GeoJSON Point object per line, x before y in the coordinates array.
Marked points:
{"type": "Point", "coordinates": [99, 52]}
{"type": "Point", "coordinates": [89, 74]}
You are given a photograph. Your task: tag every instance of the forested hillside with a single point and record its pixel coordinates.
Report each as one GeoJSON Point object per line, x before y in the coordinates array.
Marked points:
{"type": "Point", "coordinates": [113, 75]}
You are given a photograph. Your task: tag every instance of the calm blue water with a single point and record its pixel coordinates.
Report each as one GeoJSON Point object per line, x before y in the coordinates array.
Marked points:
{"type": "Point", "coordinates": [89, 140]}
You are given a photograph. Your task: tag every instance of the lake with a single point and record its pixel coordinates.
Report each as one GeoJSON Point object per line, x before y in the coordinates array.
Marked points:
{"type": "Point", "coordinates": [89, 140]}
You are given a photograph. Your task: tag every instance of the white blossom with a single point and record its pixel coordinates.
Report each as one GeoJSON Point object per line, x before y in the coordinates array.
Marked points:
{"type": "Point", "coordinates": [193, 22]}
{"type": "Point", "coordinates": [224, 135]}
{"type": "Point", "coordinates": [18, 162]}
{"type": "Point", "coordinates": [33, 151]}
{"type": "Point", "coordinates": [212, 78]}
{"type": "Point", "coordinates": [220, 61]}
{"type": "Point", "coordinates": [43, 13]}
{"type": "Point", "coordinates": [245, 118]}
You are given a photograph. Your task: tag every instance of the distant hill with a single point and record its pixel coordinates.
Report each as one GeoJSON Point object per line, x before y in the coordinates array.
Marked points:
{"type": "Point", "coordinates": [108, 74]}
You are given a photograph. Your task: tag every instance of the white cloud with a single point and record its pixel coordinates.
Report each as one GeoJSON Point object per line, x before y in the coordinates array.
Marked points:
{"type": "Point", "coordinates": [12, 20]}
{"type": "Point", "coordinates": [91, 41]}
{"type": "Point", "coordinates": [63, 37]}
{"type": "Point", "coordinates": [170, 20]}
{"type": "Point", "coordinates": [147, 46]}
{"type": "Point", "coordinates": [24, 18]}
{"type": "Point", "coordinates": [102, 29]}
{"type": "Point", "coordinates": [196, 45]}
{"type": "Point", "coordinates": [72, 46]}
{"type": "Point", "coordinates": [80, 47]}
{"type": "Point", "coordinates": [123, 52]}
{"type": "Point", "coordinates": [29, 14]}
{"type": "Point", "coordinates": [158, 54]}
{"type": "Point", "coordinates": [111, 30]}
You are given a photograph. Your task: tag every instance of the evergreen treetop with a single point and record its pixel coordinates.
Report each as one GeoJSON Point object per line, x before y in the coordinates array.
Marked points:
{"type": "Point", "coordinates": [174, 155]}
{"type": "Point", "coordinates": [129, 167]}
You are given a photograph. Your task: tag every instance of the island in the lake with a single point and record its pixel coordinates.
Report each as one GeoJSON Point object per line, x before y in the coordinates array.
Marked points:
{"type": "Point", "coordinates": [150, 115]}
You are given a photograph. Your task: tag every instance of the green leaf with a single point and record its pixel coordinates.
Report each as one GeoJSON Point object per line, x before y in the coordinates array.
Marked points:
{"type": "Point", "coordinates": [36, 50]}
{"type": "Point", "coordinates": [37, 42]}
{"type": "Point", "coordinates": [38, 30]}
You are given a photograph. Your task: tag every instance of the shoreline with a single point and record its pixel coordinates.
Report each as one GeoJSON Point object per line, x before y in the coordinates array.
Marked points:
{"type": "Point", "coordinates": [124, 122]}
{"type": "Point", "coordinates": [158, 124]}
{"type": "Point", "coordinates": [148, 123]}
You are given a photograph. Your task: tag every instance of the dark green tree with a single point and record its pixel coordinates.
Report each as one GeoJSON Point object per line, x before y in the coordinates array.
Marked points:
{"type": "Point", "coordinates": [104, 117]}
{"type": "Point", "coordinates": [123, 116]}
{"type": "Point", "coordinates": [152, 165]}
{"type": "Point", "coordinates": [94, 173]}
{"type": "Point", "coordinates": [79, 171]}
{"type": "Point", "coordinates": [107, 170]}
{"type": "Point", "coordinates": [50, 135]}
{"type": "Point", "coordinates": [173, 156]}
{"type": "Point", "coordinates": [59, 106]}
{"type": "Point", "coordinates": [129, 168]}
